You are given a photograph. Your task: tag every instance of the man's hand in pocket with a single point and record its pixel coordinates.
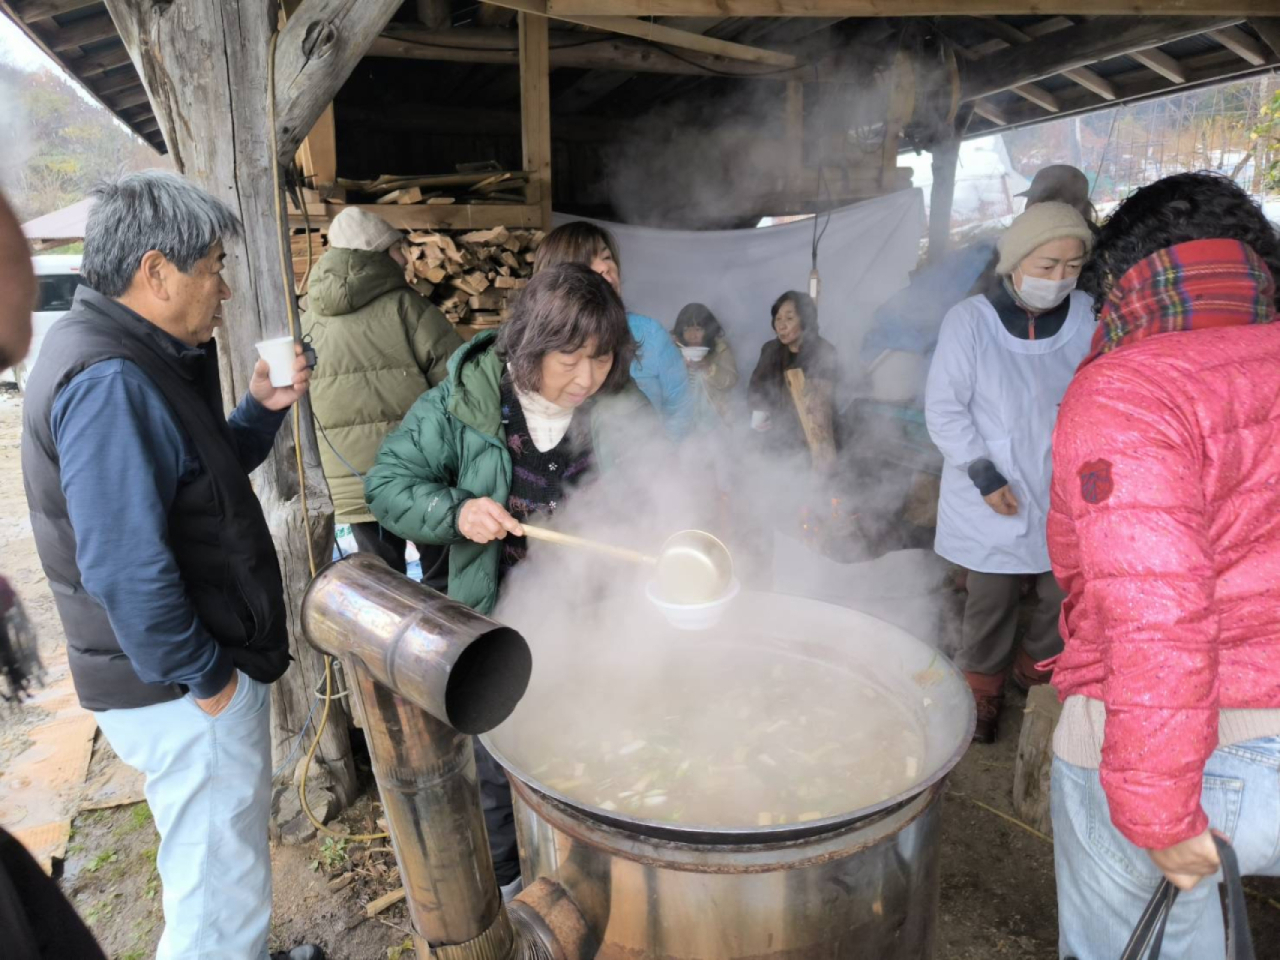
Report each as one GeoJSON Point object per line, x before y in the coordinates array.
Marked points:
{"type": "Point", "coordinates": [219, 702]}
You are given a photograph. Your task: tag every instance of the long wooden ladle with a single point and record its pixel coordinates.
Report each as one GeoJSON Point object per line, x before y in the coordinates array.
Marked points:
{"type": "Point", "coordinates": [692, 566]}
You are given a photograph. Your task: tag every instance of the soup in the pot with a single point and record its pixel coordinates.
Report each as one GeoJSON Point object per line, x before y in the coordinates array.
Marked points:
{"type": "Point", "coordinates": [730, 736]}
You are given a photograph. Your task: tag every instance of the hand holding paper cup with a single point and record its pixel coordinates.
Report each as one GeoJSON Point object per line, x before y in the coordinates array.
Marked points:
{"type": "Point", "coordinates": [279, 354]}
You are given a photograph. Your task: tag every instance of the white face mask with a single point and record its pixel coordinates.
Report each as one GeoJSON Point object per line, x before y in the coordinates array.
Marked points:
{"type": "Point", "coordinates": [1041, 294]}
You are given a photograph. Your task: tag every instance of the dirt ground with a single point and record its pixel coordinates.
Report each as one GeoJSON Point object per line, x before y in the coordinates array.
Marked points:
{"type": "Point", "coordinates": [997, 898]}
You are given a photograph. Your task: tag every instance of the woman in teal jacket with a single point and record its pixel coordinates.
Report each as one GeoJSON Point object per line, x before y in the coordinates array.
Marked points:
{"type": "Point", "coordinates": [658, 367]}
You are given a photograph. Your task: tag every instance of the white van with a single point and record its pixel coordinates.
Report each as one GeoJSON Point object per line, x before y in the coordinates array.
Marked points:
{"type": "Point", "coordinates": [57, 277]}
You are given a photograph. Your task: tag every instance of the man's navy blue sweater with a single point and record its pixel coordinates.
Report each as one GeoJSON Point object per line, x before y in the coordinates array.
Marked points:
{"type": "Point", "coordinates": [123, 457]}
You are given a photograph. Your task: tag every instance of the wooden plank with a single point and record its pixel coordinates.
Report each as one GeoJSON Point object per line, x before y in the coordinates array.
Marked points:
{"type": "Point", "coordinates": [404, 42]}
{"type": "Point", "coordinates": [659, 33]}
{"type": "Point", "coordinates": [1035, 758]}
{"type": "Point", "coordinates": [1241, 44]}
{"type": "Point", "coordinates": [535, 111]}
{"type": "Point", "coordinates": [317, 50]}
{"type": "Point", "coordinates": [88, 30]}
{"type": "Point", "coordinates": [1161, 63]}
{"type": "Point", "coordinates": [1093, 41]}
{"type": "Point", "coordinates": [91, 65]}
{"type": "Point", "coordinates": [425, 216]}
{"type": "Point", "coordinates": [407, 195]}
{"type": "Point", "coordinates": [1268, 28]}
{"type": "Point", "coordinates": [904, 8]}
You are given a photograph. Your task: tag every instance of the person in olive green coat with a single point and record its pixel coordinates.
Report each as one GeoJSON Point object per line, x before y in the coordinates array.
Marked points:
{"type": "Point", "coordinates": [522, 419]}
{"type": "Point", "coordinates": [379, 346]}
{"type": "Point", "coordinates": [462, 470]}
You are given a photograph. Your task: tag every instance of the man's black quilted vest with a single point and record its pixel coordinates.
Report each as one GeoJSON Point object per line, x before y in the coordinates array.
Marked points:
{"type": "Point", "coordinates": [217, 532]}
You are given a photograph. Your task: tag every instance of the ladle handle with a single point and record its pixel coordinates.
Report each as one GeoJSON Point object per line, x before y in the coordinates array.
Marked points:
{"type": "Point", "coordinates": [568, 540]}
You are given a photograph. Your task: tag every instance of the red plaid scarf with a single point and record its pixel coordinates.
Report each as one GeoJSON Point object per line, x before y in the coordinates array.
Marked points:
{"type": "Point", "coordinates": [1191, 286]}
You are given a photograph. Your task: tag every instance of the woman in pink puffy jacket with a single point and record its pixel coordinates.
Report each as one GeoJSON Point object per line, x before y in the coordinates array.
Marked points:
{"type": "Point", "coordinates": [1164, 530]}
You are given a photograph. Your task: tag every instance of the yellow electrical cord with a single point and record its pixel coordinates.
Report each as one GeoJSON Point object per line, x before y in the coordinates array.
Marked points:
{"type": "Point", "coordinates": [294, 330]}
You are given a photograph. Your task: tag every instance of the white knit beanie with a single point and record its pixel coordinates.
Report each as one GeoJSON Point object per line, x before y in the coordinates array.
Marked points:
{"type": "Point", "coordinates": [356, 229]}
{"type": "Point", "coordinates": [1041, 223]}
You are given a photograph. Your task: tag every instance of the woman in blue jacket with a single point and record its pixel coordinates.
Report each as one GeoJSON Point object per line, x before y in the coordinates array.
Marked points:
{"type": "Point", "coordinates": [658, 368]}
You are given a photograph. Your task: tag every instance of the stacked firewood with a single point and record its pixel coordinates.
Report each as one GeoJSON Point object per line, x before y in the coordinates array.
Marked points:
{"type": "Point", "coordinates": [473, 277]}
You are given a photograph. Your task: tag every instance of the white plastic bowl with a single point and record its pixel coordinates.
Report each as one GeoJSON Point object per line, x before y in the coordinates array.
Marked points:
{"type": "Point", "coordinates": [693, 616]}
{"type": "Point", "coordinates": [695, 353]}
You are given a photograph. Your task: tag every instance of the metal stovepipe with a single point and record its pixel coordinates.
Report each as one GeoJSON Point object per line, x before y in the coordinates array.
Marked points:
{"type": "Point", "coordinates": [429, 672]}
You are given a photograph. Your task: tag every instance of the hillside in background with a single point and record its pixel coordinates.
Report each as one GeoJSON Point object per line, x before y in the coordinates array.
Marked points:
{"type": "Point", "coordinates": [58, 143]}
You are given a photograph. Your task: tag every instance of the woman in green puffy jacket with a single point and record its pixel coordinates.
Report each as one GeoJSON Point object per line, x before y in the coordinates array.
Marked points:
{"type": "Point", "coordinates": [520, 421]}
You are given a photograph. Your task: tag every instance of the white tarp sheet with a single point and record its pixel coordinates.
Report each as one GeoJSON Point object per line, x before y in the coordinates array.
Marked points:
{"type": "Point", "coordinates": [865, 256]}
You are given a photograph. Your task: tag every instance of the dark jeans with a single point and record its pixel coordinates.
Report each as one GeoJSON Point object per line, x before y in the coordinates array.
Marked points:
{"type": "Point", "coordinates": [499, 815]}
{"type": "Point", "coordinates": [372, 538]}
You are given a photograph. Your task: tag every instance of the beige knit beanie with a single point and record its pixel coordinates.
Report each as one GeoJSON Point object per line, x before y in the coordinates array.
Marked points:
{"type": "Point", "coordinates": [356, 229]}
{"type": "Point", "coordinates": [1041, 223]}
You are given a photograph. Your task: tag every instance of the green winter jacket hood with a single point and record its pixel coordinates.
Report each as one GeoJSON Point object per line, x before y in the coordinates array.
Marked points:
{"type": "Point", "coordinates": [379, 346]}
{"type": "Point", "coordinates": [452, 448]}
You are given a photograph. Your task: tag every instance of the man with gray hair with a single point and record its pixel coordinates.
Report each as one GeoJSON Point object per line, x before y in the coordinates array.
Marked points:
{"type": "Point", "coordinates": [157, 551]}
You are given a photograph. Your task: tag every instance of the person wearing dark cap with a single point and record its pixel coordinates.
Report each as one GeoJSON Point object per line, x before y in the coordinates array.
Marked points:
{"type": "Point", "coordinates": [1062, 183]}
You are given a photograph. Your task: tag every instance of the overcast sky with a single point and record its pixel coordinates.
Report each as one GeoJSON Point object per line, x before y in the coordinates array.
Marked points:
{"type": "Point", "coordinates": [17, 49]}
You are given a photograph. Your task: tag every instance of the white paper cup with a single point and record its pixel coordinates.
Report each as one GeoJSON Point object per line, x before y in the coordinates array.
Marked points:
{"type": "Point", "coordinates": [758, 419]}
{"type": "Point", "coordinates": [280, 357]}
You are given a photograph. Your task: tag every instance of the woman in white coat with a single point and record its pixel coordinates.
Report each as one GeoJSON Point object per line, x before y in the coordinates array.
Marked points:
{"type": "Point", "coordinates": [1003, 363]}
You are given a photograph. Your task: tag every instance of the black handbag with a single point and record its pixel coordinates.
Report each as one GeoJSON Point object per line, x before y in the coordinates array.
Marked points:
{"type": "Point", "coordinates": [1148, 935]}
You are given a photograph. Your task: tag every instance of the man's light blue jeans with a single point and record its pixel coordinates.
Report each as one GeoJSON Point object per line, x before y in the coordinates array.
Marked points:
{"type": "Point", "coordinates": [209, 789]}
{"type": "Point", "coordinates": [1104, 881]}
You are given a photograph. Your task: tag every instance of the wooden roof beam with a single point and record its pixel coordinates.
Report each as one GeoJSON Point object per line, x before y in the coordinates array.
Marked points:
{"type": "Point", "coordinates": [1028, 91]}
{"type": "Point", "coordinates": [320, 45]}
{"type": "Point", "coordinates": [1159, 61]}
{"type": "Point", "coordinates": [657, 33]}
{"type": "Point", "coordinates": [435, 14]}
{"type": "Point", "coordinates": [1241, 44]}
{"type": "Point", "coordinates": [1089, 43]}
{"type": "Point", "coordinates": [902, 8]}
{"type": "Point", "coordinates": [989, 111]}
{"type": "Point", "coordinates": [34, 10]}
{"type": "Point", "coordinates": [460, 45]}
{"type": "Point", "coordinates": [1268, 28]}
{"type": "Point", "coordinates": [1140, 84]}
{"type": "Point", "coordinates": [133, 97]}
{"type": "Point", "coordinates": [89, 30]}
{"type": "Point", "coordinates": [1009, 35]}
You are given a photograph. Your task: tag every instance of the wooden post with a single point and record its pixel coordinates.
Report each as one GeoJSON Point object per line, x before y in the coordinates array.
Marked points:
{"type": "Point", "coordinates": [942, 196]}
{"type": "Point", "coordinates": [794, 132]}
{"type": "Point", "coordinates": [318, 157]}
{"type": "Point", "coordinates": [902, 104]}
{"type": "Point", "coordinates": [216, 125]}
{"type": "Point", "coordinates": [535, 111]}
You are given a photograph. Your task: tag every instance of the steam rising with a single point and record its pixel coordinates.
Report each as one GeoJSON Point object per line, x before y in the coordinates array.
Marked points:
{"type": "Point", "coordinates": [604, 657]}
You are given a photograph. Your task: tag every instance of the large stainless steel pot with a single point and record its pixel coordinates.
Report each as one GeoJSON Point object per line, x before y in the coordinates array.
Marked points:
{"type": "Point", "coordinates": [861, 885]}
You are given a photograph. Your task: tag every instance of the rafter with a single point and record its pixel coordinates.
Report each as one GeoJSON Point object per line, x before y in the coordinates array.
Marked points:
{"type": "Point", "coordinates": [1010, 35]}
{"type": "Point", "coordinates": [1161, 63]}
{"type": "Point", "coordinates": [1089, 43]}
{"type": "Point", "coordinates": [903, 8]}
{"type": "Point", "coordinates": [657, 33]}
{"type": "Point", "coordinates": [1241, 44]}
{"type": "Point", "coordinates": [404, 42]}
{"type": "Point", "coordinates": [89, 30]}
